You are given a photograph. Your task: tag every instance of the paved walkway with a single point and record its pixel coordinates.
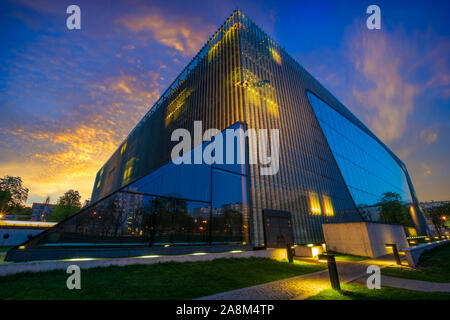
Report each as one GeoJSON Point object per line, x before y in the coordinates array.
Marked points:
{"type": "Point", "coordinates": [409, 284]}
{"type": "Point", "coordinates": [302, 287]}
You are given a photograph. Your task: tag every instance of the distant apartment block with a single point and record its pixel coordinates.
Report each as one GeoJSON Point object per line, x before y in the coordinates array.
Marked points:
{"type": "Point", "coordinates": [41, 211]}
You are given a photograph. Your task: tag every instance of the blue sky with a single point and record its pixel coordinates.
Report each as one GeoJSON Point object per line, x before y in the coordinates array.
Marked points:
{"type": "Point", "coordinates": [68, 98]}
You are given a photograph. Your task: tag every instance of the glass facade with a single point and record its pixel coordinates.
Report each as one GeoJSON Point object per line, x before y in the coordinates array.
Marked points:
{"type": "Point", "coordinates": [175, 205]}
{"type": "Point", "coordinates": [368, 169]}
{"type": "Point", "coordinates": [239, 78]}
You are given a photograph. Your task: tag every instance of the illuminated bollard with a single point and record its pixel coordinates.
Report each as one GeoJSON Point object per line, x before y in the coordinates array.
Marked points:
{"type": "Point", "coordinates": [290, 252]}
{"type": "Point", "coordinates": [393, 246]}
{"type": "Point", "coordinates": [332, 270]}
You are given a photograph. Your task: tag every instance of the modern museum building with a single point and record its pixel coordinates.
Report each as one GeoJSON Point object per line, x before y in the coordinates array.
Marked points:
{"type": "Point", "coordinates": [331, 167]}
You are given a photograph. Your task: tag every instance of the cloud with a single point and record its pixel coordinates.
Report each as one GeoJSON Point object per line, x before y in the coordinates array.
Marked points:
{"type": "Point", "coordinates": [179, 34]}
{"type": "Point", "coordinates": [386, 92]}
{"type": "Point", "coordinates": [428, 137]}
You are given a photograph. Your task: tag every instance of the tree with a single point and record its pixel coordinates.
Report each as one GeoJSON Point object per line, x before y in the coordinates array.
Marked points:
{"type": "Point", "coordinates": [22, 213]}
{"type": "Point", "coordinates": [12, 193]}
{"type": "Point", "coordinates": [5, 198]}
{"type": "Point", "coordinates": [439, 216]}
{"type": "Point", "coordinates": [393, 210]}
{"type": "Point", "coordinates": [67, 205]}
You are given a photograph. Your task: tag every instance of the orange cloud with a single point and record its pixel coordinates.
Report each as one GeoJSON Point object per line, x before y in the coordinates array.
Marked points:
{"type": "Point", "coordinates": [180, 35]}
{"type": "Point", "coordinates": [67, 156]}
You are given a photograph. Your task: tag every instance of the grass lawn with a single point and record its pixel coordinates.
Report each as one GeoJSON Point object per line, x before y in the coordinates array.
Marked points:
{"type": "Point", "coordinates": [4, 249]}
{"type": "Point", "coordinates": [434, 265]}
{"type": "Point", "coordinates": [355, 292]}
{"type": "Point", "coordinates": [170, 280]}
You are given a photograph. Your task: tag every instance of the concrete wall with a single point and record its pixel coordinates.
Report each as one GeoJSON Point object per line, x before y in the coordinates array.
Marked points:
{"type": "Point", "coordinates": [380, 234]}
{"type": "Point", "coordinates": [363, 238]}
{"type": "Point", "coordinates": [13, 237]}
{"type": "Point", "coordinates": [41, 266]}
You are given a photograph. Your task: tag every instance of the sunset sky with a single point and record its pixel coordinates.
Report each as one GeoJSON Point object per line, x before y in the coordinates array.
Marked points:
{"type": "Point", "coordinates": [69, 97]}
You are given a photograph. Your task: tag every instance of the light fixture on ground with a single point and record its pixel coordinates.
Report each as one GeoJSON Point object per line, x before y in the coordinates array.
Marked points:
{"type": "Point", "coordinates": [393, 246]}
{"type": "Point", "coordinates": [332, 270]}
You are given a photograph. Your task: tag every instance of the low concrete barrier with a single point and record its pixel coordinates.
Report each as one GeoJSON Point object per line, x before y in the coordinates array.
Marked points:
{"type": "Point", "coordinates": [42, 266]}
{"type": "Point", "coordinates": [413, 253]}
{"type": "Point", "coordinates": [366, 239]}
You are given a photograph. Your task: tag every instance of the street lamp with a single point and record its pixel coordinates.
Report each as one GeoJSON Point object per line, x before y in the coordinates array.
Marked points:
{"type": "Point", "coordinates": [290, 252]}
{"type": "Point", "coordinates": [332, 270]}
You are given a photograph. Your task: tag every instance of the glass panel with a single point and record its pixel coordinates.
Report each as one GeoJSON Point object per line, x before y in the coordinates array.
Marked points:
{"type": "Point", "coordinates": [133, 219]}
{"type": "Point", "coordinates": [367, 168]}
{"type": "Point", "coordinates": [230, 212]}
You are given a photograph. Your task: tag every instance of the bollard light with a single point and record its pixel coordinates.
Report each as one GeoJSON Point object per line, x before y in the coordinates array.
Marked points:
{"type": "Point", "coordinates": [290, 252]}
{"type": "Point", "coordinates": [332, 270]}
{"type": "Point", "coordinates": [324, 247]}
{"type": "Point", "coordinates": [393, 246]}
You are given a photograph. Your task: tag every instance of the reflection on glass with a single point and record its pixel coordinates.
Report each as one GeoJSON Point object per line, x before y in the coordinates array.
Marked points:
{"type": "Point", "coordinates": [368, 169]}
{"type": "Point", "coordinates": [230, 210]}
{"type": "Point", "coordinates": [175, 205]}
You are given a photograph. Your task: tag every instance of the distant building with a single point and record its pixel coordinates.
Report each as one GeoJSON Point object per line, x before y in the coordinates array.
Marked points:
{"type": "Point", "coordinates": [428, 205]}
{"type": "Point", "coordinates": [41, 211]}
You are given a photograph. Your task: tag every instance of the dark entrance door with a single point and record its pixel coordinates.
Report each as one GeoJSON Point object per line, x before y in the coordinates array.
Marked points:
{"type": "Point", "coordinates": [277, 228]}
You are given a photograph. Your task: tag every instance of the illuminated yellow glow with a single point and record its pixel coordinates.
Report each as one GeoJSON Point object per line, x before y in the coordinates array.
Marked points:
{"type": "Point", "coordinates": [275, 55]}
{"type": "Point", "coordinates": [314, 204]}
{"type": "Point", "coordinates": [32, 224]}
{"type": "Point", "coordinates": [21, 247]}
{"type": "Point", "coordinates": [315, 252]}
{"type": "Point", "coordinates": [258, 92]}
{"type": "Point", "coordinates": [100, 178]}
{"type": "Point", "coordinates": [198, 253]}
{"type": "Point", "coordinates": [128, 171]}
{"type": "Point", "coordinates": [166, 245]}
{"type": "Point", "coordinates": [174, 107]}
{"type": "Point", "coordinates": [212, 53]}
{"type": "Point", "coordinates": [236, 251]}
{"type": "Point", "coordinates": [123, 148]}
{"type": "Point", "coordinates": [412, 231]}
{"type": "Point", "coordinates": [148, 257]}
{"type": "Point", "coordinates": [328, 206]}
